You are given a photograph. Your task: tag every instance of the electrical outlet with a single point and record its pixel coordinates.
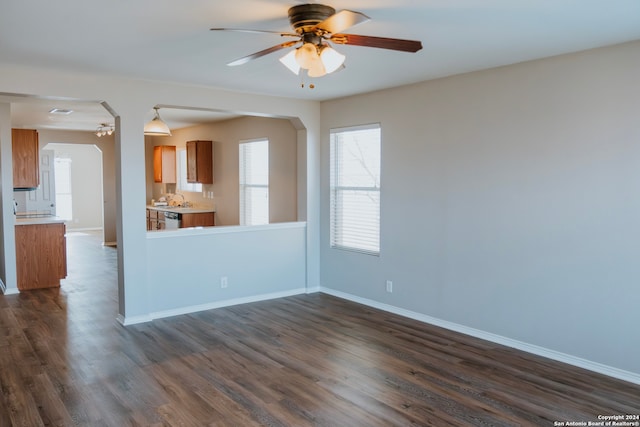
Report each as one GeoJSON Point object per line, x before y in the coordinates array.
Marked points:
{"type": "Point", "coordinates": [224, 282]}
{"type": "Point", "coordinates": [389, 286]}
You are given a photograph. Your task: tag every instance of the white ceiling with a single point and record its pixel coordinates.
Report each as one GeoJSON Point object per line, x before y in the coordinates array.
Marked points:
{"type": "Point", "coordinates": [170, 40]}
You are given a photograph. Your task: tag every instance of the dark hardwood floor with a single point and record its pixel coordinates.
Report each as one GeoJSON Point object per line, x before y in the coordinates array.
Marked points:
{"type": "Point", "coordinates": [311, 360]}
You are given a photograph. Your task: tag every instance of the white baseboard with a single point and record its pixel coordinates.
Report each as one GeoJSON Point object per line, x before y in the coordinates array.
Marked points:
{"type": "Point", "coordinates": [610, 371]}
{"type": "Point", "coordinates": [113, 244]}
{"type": "Point", "coordinates": [313, 290]}
{"type": "Point", "coordinates": [132, 320]}
{"type": "Point", "coordinates": [5, 291]}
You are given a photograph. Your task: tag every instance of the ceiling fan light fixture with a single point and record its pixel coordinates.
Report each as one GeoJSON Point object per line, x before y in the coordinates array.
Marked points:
{"type": "Point", "coordinates": [156, 127]}
{"type": "Point", "coordinates": [306, 55]}
{"type": "Point", "coordinates": [289, 61]}
{"type": "Point", "coordinates": [317, 70]}
{"type": "Point", "coordinates": [331, 59]}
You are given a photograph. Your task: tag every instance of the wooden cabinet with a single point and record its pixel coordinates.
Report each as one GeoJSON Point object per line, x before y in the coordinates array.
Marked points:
{"type": "Point", "coordinates": [164, 164]}
{"type": "Point", "coordinates": [155, 220]}
{"type": "Point", "coordinates": [41, 254]}
{"type": "Point", "coordinates": [204, 219]}
{"type": "Point", "coordinates": [200, 162]}
{"type": "Point", "coordinates": [26, 160]}
{"type": "Point", "coordinates": [150, 223]}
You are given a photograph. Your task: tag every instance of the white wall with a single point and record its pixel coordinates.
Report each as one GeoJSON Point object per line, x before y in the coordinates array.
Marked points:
{"type": "Point", "coordinates": [8, 275]}
{"type": "Point", "coordinates": [186, 266]}
{"type": "Point", "coordinates": [131, 102]}
{"type": "Point", "coordinates": [510, 202]}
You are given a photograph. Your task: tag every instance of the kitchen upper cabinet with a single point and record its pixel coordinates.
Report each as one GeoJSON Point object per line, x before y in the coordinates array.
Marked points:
{"type": "Point", "coordinates": [26, 161]}
{"type": "Point", "coordinates": [164, 164]}
{"type": "Point", "coordinates": [200, 162]}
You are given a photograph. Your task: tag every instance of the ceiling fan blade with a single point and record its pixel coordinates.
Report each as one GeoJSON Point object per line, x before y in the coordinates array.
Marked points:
{"type": "Point", "coordinates": [380, 42]}
{"type": "Point", "coordinates": [262, 53]}
{"type": "Point", "coordinates": [244, 30]}
{"type": "Point", "coordinates": [341, 21]}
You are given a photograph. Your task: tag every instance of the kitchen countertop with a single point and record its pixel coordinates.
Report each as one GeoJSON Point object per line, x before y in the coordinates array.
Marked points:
{"type": "Point", "coordinates": [179, 209]}
{"type": "Point", "coordinates": [39, 220]}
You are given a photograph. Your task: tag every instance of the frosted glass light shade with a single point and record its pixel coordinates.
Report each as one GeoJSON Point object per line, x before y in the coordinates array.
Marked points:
{"type": "Point", "coordinates": [318, 60]}
{"type": "Point", "coordinates": [331, 59]}
{"type": "Point", "coordinates": [306, 55]}
{"type": "Point", "coordinates": [289, 61]}
{"type": "Point", "coordinates": [317, 70]}
{"type": "Point", "coordinates": [156, 127]}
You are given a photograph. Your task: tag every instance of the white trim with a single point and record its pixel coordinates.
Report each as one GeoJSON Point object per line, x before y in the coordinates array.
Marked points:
{"type": "Point", "coordinates": [113, 244]}
{"type": "Point", "coordinates": [133, 320]}
{"type": "Point", "coordinates": [70, 229]}
{"type": "Point", "coordinates": [204, 231]}
{"type": "Point", "coordinates": [610, 371]}
{"type": "Point", "coordinates": [208, 306]}
{"type": "Point", "coordinates": [5, 291]}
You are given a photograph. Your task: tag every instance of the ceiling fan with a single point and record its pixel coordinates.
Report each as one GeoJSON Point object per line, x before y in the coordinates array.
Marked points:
{"type": "Point", "coordinates": [316, 25]}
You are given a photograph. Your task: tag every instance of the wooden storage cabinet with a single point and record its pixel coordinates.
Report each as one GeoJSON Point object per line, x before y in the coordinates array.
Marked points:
{"type": "Point", "coordinates": [155, 220]}
{"type": "Point", "coordinates": [164, 164]}
{"type": "Point", "coordinates": [41, 254]}
{"type": "Point", "coordinates": [200, 162]}
{"type": "Point", "coordinates": [205, 219]}
{"type": "Point", "coordinates": [26, 159]}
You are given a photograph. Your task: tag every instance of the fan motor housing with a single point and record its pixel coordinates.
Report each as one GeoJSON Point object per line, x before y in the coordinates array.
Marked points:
{"type": "Point", "coordinates": [306, 16]}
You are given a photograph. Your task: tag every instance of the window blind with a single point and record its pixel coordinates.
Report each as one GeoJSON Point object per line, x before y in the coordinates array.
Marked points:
{"type": "Point", "coordinates": [355, 188]}
{"type": "Point", "coordinates": [254, 182]}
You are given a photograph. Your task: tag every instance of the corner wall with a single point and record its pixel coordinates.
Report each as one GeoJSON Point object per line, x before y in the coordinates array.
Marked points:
{"type": "Point", "coordinates": [510, 203]}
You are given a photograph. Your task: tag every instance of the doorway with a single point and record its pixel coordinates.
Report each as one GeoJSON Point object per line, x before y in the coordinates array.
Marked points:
{"type": "Point", "coordinates": [79, 186]}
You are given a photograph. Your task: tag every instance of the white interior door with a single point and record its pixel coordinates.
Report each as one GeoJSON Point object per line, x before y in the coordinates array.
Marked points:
{"type": "Point", "coordinates": [43, 199]}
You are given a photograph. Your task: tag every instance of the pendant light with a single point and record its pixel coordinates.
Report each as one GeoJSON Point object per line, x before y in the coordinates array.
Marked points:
{"type": "Point", "coordinates": [156, 127]}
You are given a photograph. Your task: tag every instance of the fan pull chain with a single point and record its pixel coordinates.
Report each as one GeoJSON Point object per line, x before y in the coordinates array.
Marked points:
{"type": "Point", "coordinates": [311, 85]}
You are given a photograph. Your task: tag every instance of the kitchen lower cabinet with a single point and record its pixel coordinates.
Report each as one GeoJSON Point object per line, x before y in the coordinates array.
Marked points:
{"type": "Point", "coordinates": [155, 220]}
{"type": "Point", "coordinates": [205, 219]}
{"type": "Point", "coordinates": [41, 255]}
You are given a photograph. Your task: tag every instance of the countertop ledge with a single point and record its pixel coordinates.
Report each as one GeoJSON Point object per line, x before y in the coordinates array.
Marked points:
{"type": "Point", "coordinates": [39, 220]}
{"type": "Point", "coordinates": [178, 209]}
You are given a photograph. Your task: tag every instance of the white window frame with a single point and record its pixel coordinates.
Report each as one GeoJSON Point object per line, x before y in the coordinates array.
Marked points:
{"type": "Point", "coordinates": [64, 199]}
{"type": "Point", "coordinates": [183, 184]}
{"type": "Point", "coordinates": [247, 218]}
{"type": "Point", "coordinates": [355, 227]}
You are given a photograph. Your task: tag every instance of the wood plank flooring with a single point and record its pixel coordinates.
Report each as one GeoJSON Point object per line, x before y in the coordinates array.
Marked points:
{"type": "Point", "coordinates": [311, 360]}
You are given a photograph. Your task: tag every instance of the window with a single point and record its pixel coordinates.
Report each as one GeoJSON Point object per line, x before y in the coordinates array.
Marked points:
{"type": "Point", "coordinates": [355, 188]}
{"type": "Point", "coordinates": [63, 188]}
{"type": "Point", "coordinates": [183, 185]}
{"type": "Point", "coordinates": [254, 182]}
